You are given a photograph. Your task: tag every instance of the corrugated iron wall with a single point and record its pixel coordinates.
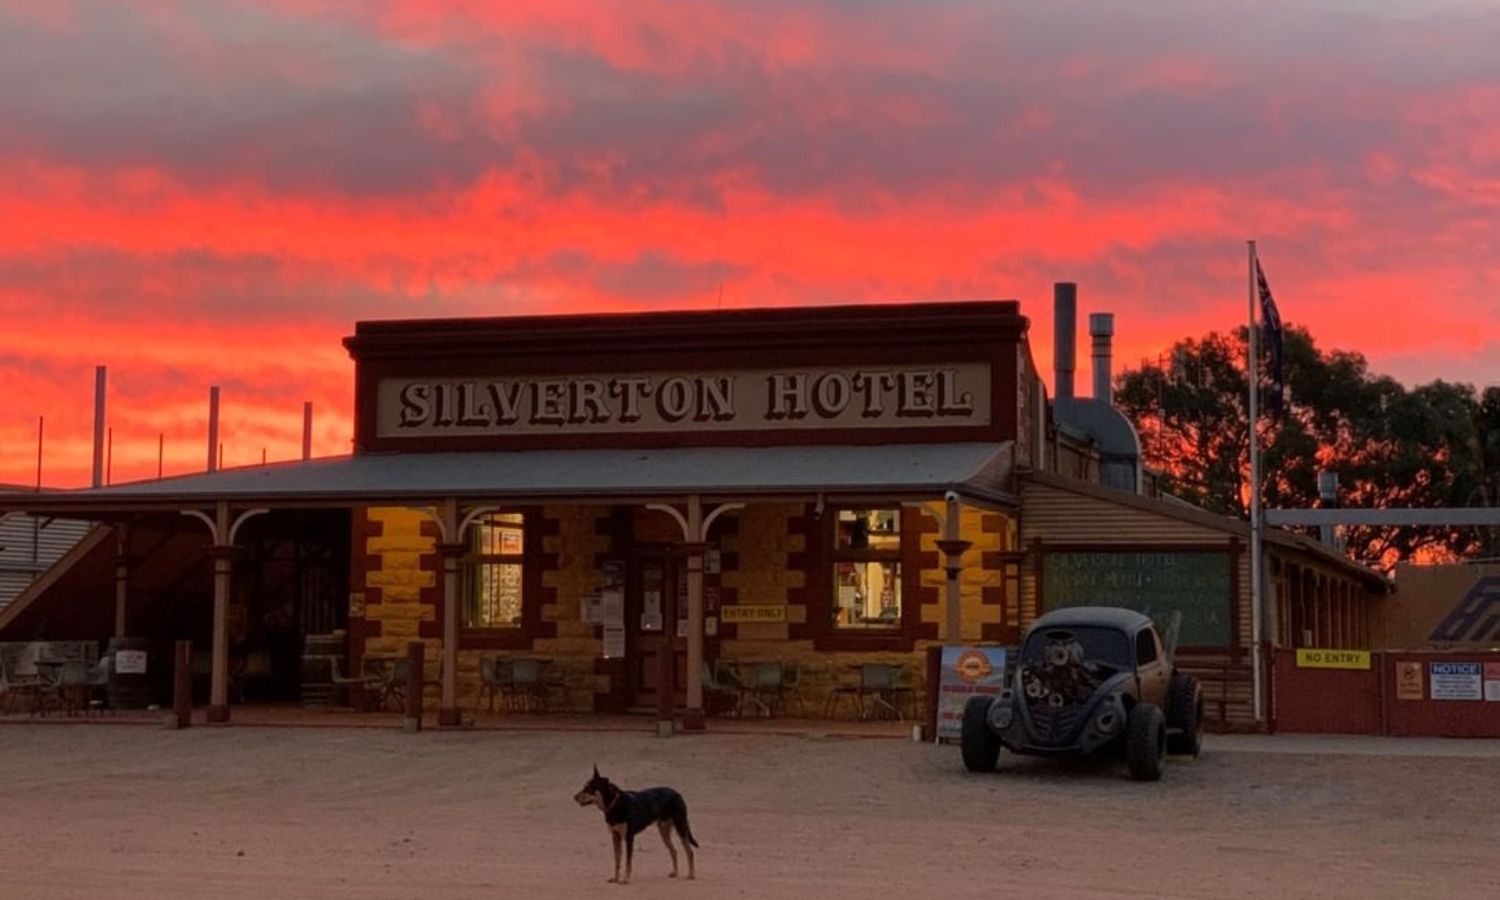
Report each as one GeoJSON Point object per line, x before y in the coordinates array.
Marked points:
{"type": "Point", "coordinates": [30, 545]}
{"type": "Point", "coordinates": [1052, 515]}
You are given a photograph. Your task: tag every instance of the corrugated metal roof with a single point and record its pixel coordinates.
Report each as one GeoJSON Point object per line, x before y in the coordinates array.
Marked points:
{"type": "Point", "coordinates": [975, 469]}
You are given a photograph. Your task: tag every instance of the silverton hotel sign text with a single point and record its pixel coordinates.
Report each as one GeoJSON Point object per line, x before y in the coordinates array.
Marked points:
{"type": "Point", "coordinates": [754, 399]}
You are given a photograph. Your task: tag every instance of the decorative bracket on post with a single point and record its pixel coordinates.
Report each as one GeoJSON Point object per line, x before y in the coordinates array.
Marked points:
{"type": "Point", "coordinates": [954, 551]}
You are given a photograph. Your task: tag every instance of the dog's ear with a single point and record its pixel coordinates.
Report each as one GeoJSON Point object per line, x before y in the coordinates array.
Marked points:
{"type": "Point", "coordinates": [596, 770]}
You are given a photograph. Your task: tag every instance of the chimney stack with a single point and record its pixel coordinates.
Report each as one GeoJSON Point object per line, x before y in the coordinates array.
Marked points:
{"type": "Point", "coordinates": [1064, 337]}
{"type": "Point", "coordinates": [213, 429]}
{"type": "Point", "coordinates": [1102, 330]}
{"type": "Point", "coordinates": [307, 429]}
{"type": "Point", "coordinates": [100, 381]}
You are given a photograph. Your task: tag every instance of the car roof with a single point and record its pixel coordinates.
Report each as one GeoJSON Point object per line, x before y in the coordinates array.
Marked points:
{"type": "Point", "coordinates": [1127, 620]}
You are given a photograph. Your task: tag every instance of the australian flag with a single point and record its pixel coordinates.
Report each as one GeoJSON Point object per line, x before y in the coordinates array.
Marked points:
{"type": "Point", "coordinates": [1270, 321]}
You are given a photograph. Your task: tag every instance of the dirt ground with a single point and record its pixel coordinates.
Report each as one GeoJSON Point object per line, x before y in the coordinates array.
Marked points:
{"type": "Point", "coordinates": [129, 812]}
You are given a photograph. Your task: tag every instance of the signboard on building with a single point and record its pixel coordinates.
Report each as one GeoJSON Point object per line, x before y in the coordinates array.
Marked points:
{"type": "Point", "coordinates": [751, 399]}
{"type": "Point", "coordinates": [1456, 680]}
{"type": "Point", "coordinates": [1195, 583]}
{"type": "Point", "coordinates": [1332, 659]}
{"type": "Point", "coordinates": [757, 612]}
{"type": "Point", "coordinates": [1409, 681]}
{"type": "Point", "coordinates": [966, 672]}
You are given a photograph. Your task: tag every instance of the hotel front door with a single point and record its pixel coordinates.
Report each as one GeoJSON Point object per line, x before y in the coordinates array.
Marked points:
{"type": "Point", "coordinates": [652, 614]}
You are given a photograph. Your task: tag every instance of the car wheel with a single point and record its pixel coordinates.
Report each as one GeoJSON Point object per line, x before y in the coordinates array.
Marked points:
{"type": "Point", "coordinates": [980, 745]}
{"type": "Point", "coordinates": [1145, 742]}
{"type": "Point", "coordinates": [1186, 722]}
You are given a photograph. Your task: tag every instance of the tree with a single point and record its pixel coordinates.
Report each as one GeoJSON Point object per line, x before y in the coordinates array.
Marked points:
{"type": "Point", "coordinates": [1435, 445]}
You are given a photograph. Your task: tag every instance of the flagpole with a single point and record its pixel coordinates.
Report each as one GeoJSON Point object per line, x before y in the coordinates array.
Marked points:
{"type": "Point", "coordinates": [1252, 368]}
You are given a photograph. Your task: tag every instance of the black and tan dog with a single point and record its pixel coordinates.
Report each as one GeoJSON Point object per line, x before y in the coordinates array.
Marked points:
{"type": "Point", "coordinates": [628, 813]}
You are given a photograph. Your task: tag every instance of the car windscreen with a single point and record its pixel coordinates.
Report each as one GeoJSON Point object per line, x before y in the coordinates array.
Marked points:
{"type": "Point", "coordinates": [1100, 645]}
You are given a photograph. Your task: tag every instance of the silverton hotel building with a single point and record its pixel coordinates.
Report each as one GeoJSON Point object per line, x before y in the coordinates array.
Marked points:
{"type": "Point", "coordinates": [632, 497]}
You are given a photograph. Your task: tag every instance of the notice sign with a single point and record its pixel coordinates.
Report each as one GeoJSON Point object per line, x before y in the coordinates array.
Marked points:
{"type": "Point", "coordinates": [1456, 681]}
{"type": "Point", "coordinates": [1333, 659]}
{"type": "Point", "coordinates": [130, 662]}
{"type": "Point", "coordinates": [1492, 681]}
{"type": "Point", "coordinates": [1409, 681]}
{"type": "Point", "coordinates": [966, 672]}
{"type": "Point", "coordinates": [764, 612]}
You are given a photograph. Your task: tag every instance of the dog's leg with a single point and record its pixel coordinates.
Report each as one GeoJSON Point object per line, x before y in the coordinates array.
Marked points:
{"type": "Point", "coordinates": [614, 834]}
{"type": "Point", "coordinates": [629, 856]}
{"type": "Point", "coordinates": [688, 846]}
{"type": "Point", "coordinates": [665, 827]}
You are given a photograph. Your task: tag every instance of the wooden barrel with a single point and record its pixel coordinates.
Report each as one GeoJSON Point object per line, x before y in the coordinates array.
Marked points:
{"type": "Point", "coordinates": [129, 673]}
{"type": "Point", "coordinates": [322, 655]}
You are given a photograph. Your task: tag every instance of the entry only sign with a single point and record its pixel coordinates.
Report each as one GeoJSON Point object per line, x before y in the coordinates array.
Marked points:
{"type": "Point", "coordinates": [966, 672]}
{"type": "Point", "coordinates": [1456, 680]}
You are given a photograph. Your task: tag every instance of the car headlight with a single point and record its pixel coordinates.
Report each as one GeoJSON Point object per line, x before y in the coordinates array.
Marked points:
{"type": "Point", "coordinates": [1002, 711]}
{"type": "Point", "coordinates": [1109, 719]}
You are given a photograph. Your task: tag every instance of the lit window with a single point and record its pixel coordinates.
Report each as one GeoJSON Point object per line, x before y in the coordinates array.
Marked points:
{"type": "Point", "coordinates": [867, 569]}
{"type": "Point", "coordinates": [491, 596]}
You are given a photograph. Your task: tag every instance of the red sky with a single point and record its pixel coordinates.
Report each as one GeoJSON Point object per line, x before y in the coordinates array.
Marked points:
{"type": "Point", "coordinates": [213, 193]}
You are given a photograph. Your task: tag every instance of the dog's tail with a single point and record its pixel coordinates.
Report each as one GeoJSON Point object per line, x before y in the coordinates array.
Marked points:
{"type": "Point", "coordinates": [680, 822]}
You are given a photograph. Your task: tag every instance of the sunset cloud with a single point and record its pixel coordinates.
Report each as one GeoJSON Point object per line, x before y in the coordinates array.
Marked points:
{"type": "Point", "coordinates": [201, 194]}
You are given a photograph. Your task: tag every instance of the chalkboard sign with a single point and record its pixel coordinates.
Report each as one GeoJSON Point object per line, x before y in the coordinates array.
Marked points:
{"type": "Point", "coordinates": [1195, 583]}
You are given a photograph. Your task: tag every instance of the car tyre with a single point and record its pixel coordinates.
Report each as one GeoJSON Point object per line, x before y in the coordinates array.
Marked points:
{"type": "Point", "coordinates": [1186, 722]}
{"type": "Point", "coordinates": [1145, 742]}
{"type": "Point", "coordinates": [980, 745]}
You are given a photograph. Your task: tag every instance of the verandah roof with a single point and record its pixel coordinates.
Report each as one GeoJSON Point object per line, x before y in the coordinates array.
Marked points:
{"type": "Point", "coordinates": [976, 471]}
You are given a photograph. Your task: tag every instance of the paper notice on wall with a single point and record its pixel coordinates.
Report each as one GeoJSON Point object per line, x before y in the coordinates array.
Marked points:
{"type": "Point", "coordinates": [711, 561]}
{"type": "Point", "coordinates": [711, 626]}
{"type": "Point", "coordinates": [651, 621]}
{"type": "Point", "coordinates": [591, 609]}
{"type": "Point", "coordinates": [614, 641]}
{"type": "Point", "coordinates": [130, 662]}
{"type": "Point", "coordinates": [613, 603]}
{"type": "Point", "coordinates": [1492, 681]}
{"type": "Point", "coordinates": [682, 628]}
{"type": "Point", "coordinates": [652, 602]}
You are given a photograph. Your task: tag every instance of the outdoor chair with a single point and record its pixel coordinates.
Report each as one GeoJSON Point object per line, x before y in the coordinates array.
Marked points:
{"type": "Point", "coordinates": [497, 676]}
{"type": "Point", "coordinates": [791, 681]}
{"type": "Point", "coordinates": [16, 689]}
{"type": "Point", "coordinates": [360, 683]}
{"type": "Point", "coordinates": [73, 687]}
{"type": "Point", "coordinates": [530, 684]}
{"type": "Point", "coordinates": [554, 686]}
{"type": "Point", "coordinates": [721, 685]}
{"type": "Point", "coordinates": [389, 675]}
{"type": "Point", "coordinates": [870, 687]}
{"type": "Point", "coordinates": [254, 669]}
{"type": "Point", "coordinates": [95, 687]}
{"type": "Point", "coordinates": [903, 691]}
{"type": "Point", "coordinates": [48, 694]}
{"type": "Point", "coordinates": [766, 686]}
